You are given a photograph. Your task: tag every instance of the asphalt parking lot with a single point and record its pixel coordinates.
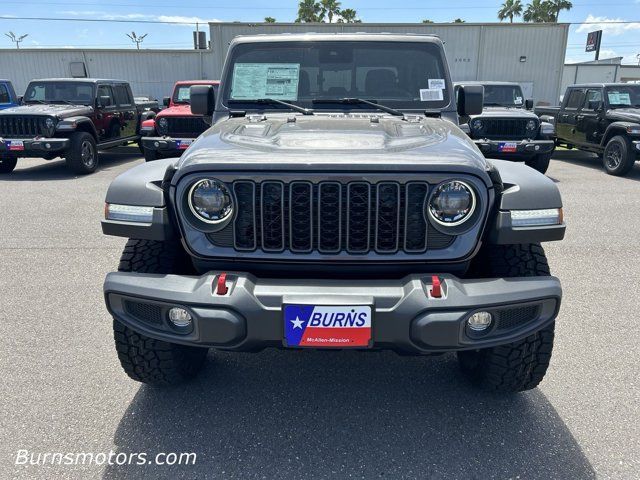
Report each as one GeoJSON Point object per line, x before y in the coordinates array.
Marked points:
{"type": "Point", "coordinates": [316, 414]}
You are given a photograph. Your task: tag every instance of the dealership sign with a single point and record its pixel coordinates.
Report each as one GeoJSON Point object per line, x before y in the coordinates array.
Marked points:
{"type": "Point", "coordinates": [593, 41]}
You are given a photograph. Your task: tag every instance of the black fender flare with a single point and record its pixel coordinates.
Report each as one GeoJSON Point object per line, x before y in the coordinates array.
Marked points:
{"type": "Point", "coordinates": [615, 128]}
{"type": "Point", "coordinates": [71, 124]}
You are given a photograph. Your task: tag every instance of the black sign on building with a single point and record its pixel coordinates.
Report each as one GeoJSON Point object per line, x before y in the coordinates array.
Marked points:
{"type": "Point", "coordinates": [593, 42]}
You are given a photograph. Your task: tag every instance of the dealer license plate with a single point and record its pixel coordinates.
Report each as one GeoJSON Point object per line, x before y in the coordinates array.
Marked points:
{"type": "Point", "coordinates": [508, 147]}
{"type": "Point", "coordinates": [324, 326]}
{"type": "Point", "coordinates": [15, 145]}
{"type": "Point", "coordinates": [184, 143]}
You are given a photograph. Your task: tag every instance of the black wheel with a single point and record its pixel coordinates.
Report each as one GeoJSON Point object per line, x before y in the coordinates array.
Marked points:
{"type": "Point", "coordinates": [150, 155]}
{"type": "Point", "coordinates": [7, 164]}
{"type": "Point", "coordinates": [540, 162]}
{"type": "Point", "coordinates": [82, 156]}
{"type": "Point", "coordinates": [145, 359]}
{"type": "Point", "coordinates": [618, 157]}
{"type": "Point", "coordinates": [520, 365]}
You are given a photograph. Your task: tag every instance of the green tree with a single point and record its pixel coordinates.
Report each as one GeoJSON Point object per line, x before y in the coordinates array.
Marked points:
{"type": "Point", "coordinates": [330, 8]}
{"type": "Point", "coordinates": [459, 20]}
{"type": "Point", "coordinates": [426, 20]}
{"type": "Point", "coordinates": [556, 6]}
{"type": "Point", "coordinates": [269, 20]}
{"type": "Point", "coordinates": [538, 11]}
{"type": "Point", "coordinates": [349, 15]}
{"type": "Point", "coordinates": [309, 11]}
{"type": "Point", "coordinates": [510, 9]}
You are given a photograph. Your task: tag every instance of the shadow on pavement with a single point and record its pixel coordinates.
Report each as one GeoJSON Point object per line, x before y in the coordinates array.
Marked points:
{"type": "Point", "coordinates": [46, 170]}
{"type": "Point", "coordinates": [298, 414]}
{"type": "Point", "coordinates": [590, 160]}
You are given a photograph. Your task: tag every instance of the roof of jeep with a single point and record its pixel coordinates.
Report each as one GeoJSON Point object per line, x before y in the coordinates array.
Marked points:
{"type": "Point", "coordinates": [198, 82]}
{"type": "Point", "coordinates": [80, 80]}
{"type": "Point", "coordinates": [487, 82]}
{"type": "Point", "coordinates": [327, 37]}
{"type": "Point", "coordinates": [596, 85]}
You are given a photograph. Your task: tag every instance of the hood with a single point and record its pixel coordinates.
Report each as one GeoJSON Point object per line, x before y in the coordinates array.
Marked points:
{"type": "Point", "coordinates": [624, 114]}
{"type": "Point", "coordinates": [333, 141]}
{"type": "Point", "coordinates": [505, 112]}
{"type": "Point", "coordinates": [176, 111]}
{"type": "Point", "coordinates": [55, 110]}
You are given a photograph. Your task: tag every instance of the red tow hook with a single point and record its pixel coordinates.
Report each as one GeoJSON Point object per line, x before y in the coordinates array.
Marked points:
{"type": "Point", "coordinates": [436, 287]}
{"type": "Point", "coordinates": [222, 288]}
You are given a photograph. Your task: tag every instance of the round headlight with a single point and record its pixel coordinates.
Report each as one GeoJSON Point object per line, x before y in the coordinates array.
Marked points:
{"type": "Point", "coordinates": [50, 126]}
{"type": "Point", "coordinates": [163, 125]}
{"type": "Point", "coordinates": [210, 201]}
{"type": "Point", "coordinates": [532, 125]}
{"type": "Point", "coordinates": [477, 124]}
{"type": "Point", "coordinates": [452, 203]}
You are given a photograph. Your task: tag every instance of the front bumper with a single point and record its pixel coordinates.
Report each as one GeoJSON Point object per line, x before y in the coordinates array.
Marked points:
{"type": "Point", "coordinates": [406, 317]}
{"type": "Point", "coordinates": [166, 144]}
{"type": "Point", "coordinates": [33, 146]}
{"type": "Point", "coordinates": [513, 149]}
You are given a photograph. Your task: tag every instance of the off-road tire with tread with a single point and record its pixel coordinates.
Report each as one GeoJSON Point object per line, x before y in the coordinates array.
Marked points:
{"type": "Point", "coordinates": [145, 359]}
{"type": "Point", "coordinates": [627, 156]}
{"type": "Point", "coordinates": [8, 164]}
{"type": "Point", "coordinates": [150, 155]}
{"type": "Point", "coordinates": [520, 365]}
{"type": "Point", "coordinates": [74, 153]}
{"type": "Point", "coordinates": [540, 162]}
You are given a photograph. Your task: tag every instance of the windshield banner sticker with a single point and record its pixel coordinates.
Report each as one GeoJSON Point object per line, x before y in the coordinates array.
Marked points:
{"type": "Point", "coordinates": [616, 98]}
{"type": "Point", "coordinates": [431, 95]}
{"type": "Point", "coordinates": [518, 101]}
{"type": "Point", "coordinates": [252, 81]}
{"type": "Point", "coordinates": [435, 83]}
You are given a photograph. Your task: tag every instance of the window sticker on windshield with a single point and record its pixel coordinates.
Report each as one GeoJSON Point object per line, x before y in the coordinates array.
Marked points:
{"type": "Point", "coordinates": [518, 101]}
{"type": "Point", "coordinates": [184, 94]}
{"type": "Point", "coordinates": [616, 98]}
{"type": "Point", "coordinates": [252, 81]}
{"type": "Point", "coordinates": [435, 83]}
{"type": "Point", "coordinates": [430, 94]}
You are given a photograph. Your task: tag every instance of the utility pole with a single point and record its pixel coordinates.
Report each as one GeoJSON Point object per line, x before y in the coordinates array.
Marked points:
{"type": "Point", "coordinates": [137, 39]}
{"type": "Point", "coordinates": [16, 39]}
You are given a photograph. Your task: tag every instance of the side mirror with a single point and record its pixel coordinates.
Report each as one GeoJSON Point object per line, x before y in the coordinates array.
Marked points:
{"type": "Point", "coordinates": [203, 100]}
{"type": "Point", "coordinates": [470, 100]}
{"type": "Point", "coordinates": [20, 100]}
{"type": "Point", "coordinates": [528, 104]}
{"type": "Point", "coordinates": [104, 101]}
{"type": "Point", "coordinates": [166, 101]}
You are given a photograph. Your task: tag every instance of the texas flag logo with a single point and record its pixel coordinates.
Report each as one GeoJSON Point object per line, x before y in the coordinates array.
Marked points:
{"type": "Point", "coordinates": [323, 326]}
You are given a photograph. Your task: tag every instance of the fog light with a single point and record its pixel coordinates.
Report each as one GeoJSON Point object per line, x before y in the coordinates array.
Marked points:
{"type": "Point", "coordinates": [156, 144]}
{"type": "Point", "coordinates": [479, 321]}
{"type": "Point", "coordinates": [179, 317]}
{"type": "Point", "coordinates": [47, 145]}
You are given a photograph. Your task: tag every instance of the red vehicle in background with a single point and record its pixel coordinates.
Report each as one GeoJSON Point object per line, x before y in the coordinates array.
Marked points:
{"type": "Point", "coordinates": [172, 131]}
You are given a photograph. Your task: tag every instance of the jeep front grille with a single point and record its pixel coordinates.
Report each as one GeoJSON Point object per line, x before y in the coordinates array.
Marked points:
{"type": "Point", "coordinates": [27, 126]}
{"type": "Point", "coordinates": [186, 126]}
{"type": "Point", "coordinates": [331, 217]}
{"type": "Point", "coordinates": [504, 128]}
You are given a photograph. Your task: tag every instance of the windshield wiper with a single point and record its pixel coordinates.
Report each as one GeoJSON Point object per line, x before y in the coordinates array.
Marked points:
{"type": "Point", "coordinates": [357, 101]}
{"type": "Point", "coordinates": [273, 101]}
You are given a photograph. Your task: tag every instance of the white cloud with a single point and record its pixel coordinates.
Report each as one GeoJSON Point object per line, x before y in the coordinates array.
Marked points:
{"type": "Point", "coordinates": [101, 15]}
{"type": "Point", "coordinates": [594, 23]}
{"type": "Point", "coordinates": [178, 18]}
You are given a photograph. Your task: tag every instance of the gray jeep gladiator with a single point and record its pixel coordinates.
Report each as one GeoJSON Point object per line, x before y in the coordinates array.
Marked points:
{"type": "Point", "coordinates": [334, 203]}
{"type": "Point", "coordinates": [506, 129]}
{"type": "Point", "coordinates": [71, 118]}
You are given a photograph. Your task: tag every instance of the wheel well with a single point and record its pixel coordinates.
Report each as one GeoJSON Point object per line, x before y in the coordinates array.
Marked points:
{"type": "Point", "coordinates": [88, 128]}
{"type": "Point", "coordinates": [612, 133]}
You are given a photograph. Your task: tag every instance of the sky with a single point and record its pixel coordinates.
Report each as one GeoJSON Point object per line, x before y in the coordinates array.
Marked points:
{"type": "Point", "coordinates": [618, 39]}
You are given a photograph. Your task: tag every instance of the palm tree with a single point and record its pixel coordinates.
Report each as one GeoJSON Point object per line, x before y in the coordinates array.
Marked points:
{"type": "Point", "coordinates": [537, 11]}
{"type": "Point", "coordinates": [330, 8]}
{"type": "Point", "coordinates": [426, 20]}
{"type": "Point", "coordinates": [309, 11]}
{"type": "Point", "coordinates": [510, 9]}
{"type": "Point", "coordinates": [459, 20]}
{"type": "Point", "coordinates": [269, 20]}
{"type": "Point", "coordinates": [349, 15]}
{"type": "Point", "coordinates": [556, 6]}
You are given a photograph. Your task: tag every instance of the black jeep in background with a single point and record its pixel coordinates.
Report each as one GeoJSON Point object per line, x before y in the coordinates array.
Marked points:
{"type": "Point", "coordinates": [72, 119]}
{"type": "Point", "coordinates": [507, 130]}
{"type": "Point", "coordinates": [602, 118]}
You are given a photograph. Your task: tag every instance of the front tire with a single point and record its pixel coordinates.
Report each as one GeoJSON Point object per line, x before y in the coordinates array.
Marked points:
{"type": "Point", "coordinates": [82, 156]}
{"type": "Point", "coordinates": [540, 162]}
{"type": "Point", "coordinates": [521, 365]}
{"type": "Point", "coordinates": [150, 155]}
{"type": "Point", "coordinates": [7, 164]}
{"type": "Point", "coordinates": [618, 157]}
{"type": "Point", "coordinates": [145, 359]}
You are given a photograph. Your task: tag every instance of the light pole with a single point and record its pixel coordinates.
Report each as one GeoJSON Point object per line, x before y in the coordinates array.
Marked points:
{"type": "Point", "coordinates": [137, 39]}
{"type": "Point", "coordinates": [14, 38]}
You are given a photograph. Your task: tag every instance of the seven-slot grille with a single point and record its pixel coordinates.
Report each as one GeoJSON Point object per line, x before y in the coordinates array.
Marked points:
{"type": "Point", "coordinates": [504, 128]}
{"type": "Point", "coordinates": [186, 126]}
{"type": "Point", "coordinates": [331, 217]}
{"type": "Point", "coordinates": [21, 126]}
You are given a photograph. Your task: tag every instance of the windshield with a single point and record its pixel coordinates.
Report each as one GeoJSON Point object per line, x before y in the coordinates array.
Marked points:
{"type": "Point", "coordinates": [76, 93]}
{"type": "Point", "coordinates": [623, 96]}
{"type": "Point", "coordinates": [503, 95]}
{"type": "Point", "coordinates": [400, 75]}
